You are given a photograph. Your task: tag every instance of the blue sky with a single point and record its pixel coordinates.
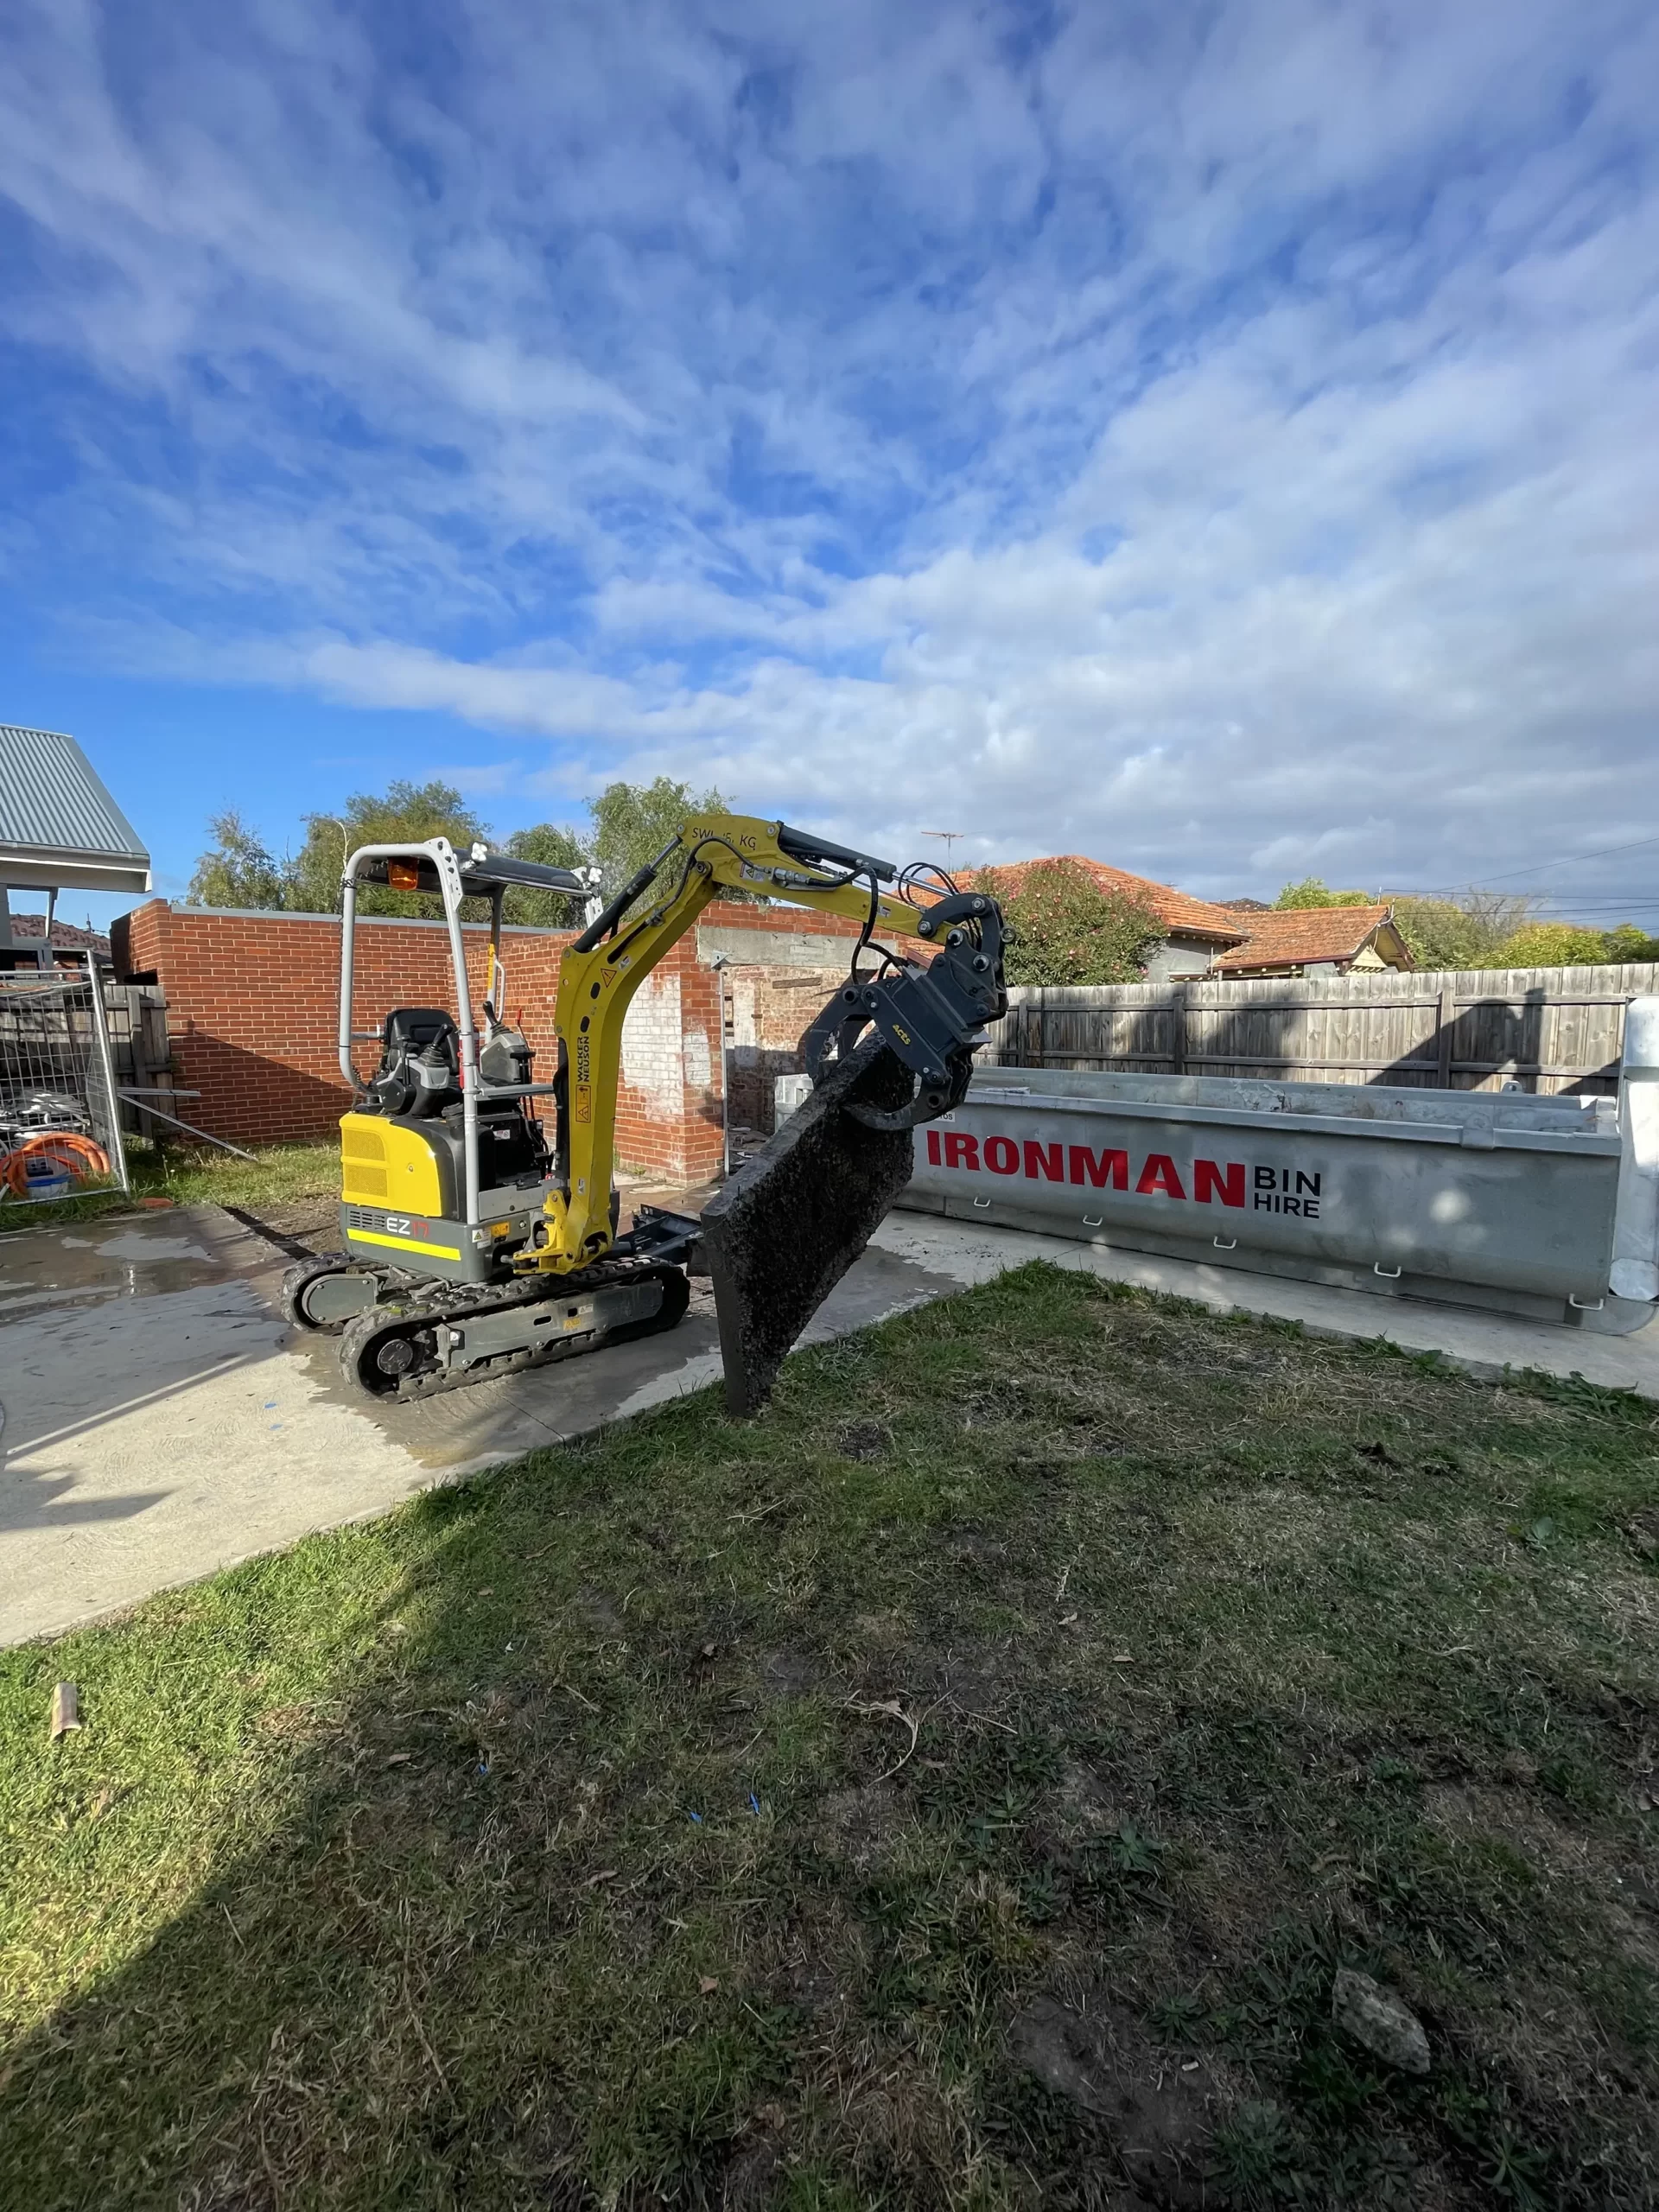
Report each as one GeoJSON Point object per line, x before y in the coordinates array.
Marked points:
{"type": "Point", "coordinates": [1218, 439]}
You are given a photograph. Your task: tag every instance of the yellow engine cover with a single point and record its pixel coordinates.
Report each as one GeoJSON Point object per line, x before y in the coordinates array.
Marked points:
{"type": "Point", "coordinates": [382, 1165]}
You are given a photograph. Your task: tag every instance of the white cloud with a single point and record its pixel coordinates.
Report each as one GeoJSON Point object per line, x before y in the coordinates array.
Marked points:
{"type": "Point", "coordinates": [1223, 447]}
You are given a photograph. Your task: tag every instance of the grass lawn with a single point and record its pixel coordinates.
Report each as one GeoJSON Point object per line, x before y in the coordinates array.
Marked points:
{"type": "Point", "coordinates": [958, 1786]}
{"type": "Point", "coordinates": [279, 1175]}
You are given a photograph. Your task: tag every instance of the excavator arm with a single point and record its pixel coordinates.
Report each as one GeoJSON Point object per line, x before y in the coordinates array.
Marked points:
{"type": "Point", "coordinates": [930, 1016]}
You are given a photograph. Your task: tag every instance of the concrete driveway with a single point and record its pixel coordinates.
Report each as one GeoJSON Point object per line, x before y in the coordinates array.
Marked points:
{"type": "Point", "coordinates": [162, 1422]}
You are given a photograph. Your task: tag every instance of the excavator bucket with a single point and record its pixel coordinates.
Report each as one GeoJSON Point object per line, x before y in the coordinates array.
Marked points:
{"type": "Point", "coordinates": [782, 1233]}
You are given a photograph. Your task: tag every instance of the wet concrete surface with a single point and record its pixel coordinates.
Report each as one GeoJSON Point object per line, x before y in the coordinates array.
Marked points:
{"type": "Point", "coordinates": [161, 1422]}
{"type": "Point", "coordinates": [155, 1427]}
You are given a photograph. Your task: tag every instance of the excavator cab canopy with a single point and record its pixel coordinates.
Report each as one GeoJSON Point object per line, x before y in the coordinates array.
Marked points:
{"type": "Point", "coordinates": [483, 874]}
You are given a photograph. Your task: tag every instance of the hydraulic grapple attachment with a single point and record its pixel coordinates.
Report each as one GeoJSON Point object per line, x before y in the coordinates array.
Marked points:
{"type": "Point", "coordinates": [930, 1017]}
{"type": "Point", "coordinates": [886, 1053]}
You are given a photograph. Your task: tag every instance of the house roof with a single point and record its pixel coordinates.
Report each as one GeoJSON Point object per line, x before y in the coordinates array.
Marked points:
{"type": "Point", "coordinates": [1287, 937]}
{"type": "Point", "coordinates": [59, 829]}
{"type": "Point", "coordinates": [67, 937]}
{"type": "Point", "coordinates": [1247, 935]}
{"type": "Point", "coordinates": [1176, 910]}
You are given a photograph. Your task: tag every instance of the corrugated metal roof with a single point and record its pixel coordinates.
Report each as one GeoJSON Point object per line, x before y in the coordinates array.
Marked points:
{"type": "Point", "coordinates": [52, 800]}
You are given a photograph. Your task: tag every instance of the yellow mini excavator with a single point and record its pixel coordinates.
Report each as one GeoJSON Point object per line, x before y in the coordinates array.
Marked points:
{"type": "Point", "coordinates": [476, 1243]}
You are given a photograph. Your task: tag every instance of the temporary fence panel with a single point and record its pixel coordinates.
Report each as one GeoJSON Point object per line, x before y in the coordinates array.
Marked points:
{"type": "Point", "coordinates": [1543, 1030]}
{"type": "Point", "coordinates": [60, 1114]}
{"type": "Point", "coordinates": [1504, 1201]}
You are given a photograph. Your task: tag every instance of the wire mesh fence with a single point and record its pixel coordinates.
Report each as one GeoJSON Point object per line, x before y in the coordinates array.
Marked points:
{"type": "Point", "coordinates": [60, 1115]}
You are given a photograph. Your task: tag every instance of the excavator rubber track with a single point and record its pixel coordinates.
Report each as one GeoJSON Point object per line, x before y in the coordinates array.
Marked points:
{"type": "Point", "coordinates": [407, 1348]}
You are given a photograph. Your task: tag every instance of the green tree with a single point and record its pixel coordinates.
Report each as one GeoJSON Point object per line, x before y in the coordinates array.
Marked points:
{"type": "Point", "coordinates": [1310, 891]}
{"type": "Point", "coordinates": [550, 847]}
{"type": "Point", "coordinates": [1067, 930]}
{"type": "Point", "coordinates": [633, 822]}
{"type": "Point", "coordinates": [405, 813]}
{"type": "Point", "coordinates": [1442, 933]}
{"type": "Point", "coordinates": [1554, 944]}
{"type": "Point", "coordinates": [1628, 942]}
{"type": "Point", "coordinates": [238, 871]}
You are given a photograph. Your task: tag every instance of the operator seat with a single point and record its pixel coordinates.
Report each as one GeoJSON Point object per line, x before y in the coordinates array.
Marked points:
{"type": "Point", "coordinates": [419, 1072]}
{"type": "Point", "coordinates": [418, 1082]}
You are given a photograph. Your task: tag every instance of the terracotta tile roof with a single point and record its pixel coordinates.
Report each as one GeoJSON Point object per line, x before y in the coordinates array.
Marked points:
{"type": "Point", "coordinates": [1289, 936]}
{"type": "Point", "coordinates": [68, 935]}
{"type": "Point", "coordinates": [1176, 910]}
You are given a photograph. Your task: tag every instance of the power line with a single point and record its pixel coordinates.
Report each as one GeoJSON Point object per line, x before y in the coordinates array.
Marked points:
{"type": "Point", "coordinates": [1536, 868]}
{"type": "Point", "coordinates": [1596, 903]}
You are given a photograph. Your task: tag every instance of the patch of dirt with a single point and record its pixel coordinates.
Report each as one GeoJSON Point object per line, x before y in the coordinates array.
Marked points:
{"type": "Point", "coordinates": [790, 1673]}
{"type": "Point", "coordinates": [1158, 2107]}
{"type": "Point", "coordinates": [311, 1222]}
{"type": "Point", "coordinates": [814, 1988]}
{"type": "Point", "coordinates": [863, 1439]}
{"type": "Point", "coordinates": [973, 1547]}
{"type": "Point", "coordinates": [598, 1613]}
{"type": "Point", "coordinates": [972, 1687]}
{"type": "Point", "coordinates": [1084, 1804]}
{"type": "Point", "coordinates": [754, 2176]}
{"type": "Point", "coordinates": [1005, 1400]}
{"type": "Point", "coordinates": [881, 1632]}
{"type": "Point", "coordinates": [859, 1826]}
{"type": "Point", "coordinates": [1515, 1817]}
{"type": "Point", "coordinates": [822, 1959]}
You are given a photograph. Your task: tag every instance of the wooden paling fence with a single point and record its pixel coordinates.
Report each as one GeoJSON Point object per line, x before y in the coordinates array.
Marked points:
{"type": "Point", "coordinates": [1540, 1029]}
{"type": "Point", "coordinates": [137, 1013]}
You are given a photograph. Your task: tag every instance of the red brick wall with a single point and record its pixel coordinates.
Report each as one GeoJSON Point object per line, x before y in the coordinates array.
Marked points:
{"type": "Point", "coordinates": [768, 1009]}
{"type": "Point", "coordinates": [252, 1005]}
{"type": "Point", "coordinates": [251, 1017]}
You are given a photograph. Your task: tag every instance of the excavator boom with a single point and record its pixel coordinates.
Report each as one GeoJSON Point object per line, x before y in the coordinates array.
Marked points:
{"type": "Point", "coordinates": [930, 1018]}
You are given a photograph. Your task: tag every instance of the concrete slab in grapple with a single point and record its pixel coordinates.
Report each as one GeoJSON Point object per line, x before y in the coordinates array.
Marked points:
{"type": "Point", "coordinates": [782, 1233]}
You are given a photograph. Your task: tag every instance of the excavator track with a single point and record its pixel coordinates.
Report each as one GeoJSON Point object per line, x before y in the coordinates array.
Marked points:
{"type": "Point", "coordinates": [422, 1346]}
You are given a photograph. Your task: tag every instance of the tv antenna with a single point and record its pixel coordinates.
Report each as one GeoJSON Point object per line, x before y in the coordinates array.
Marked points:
{"type": "Point", "coordinates": [948, 838]}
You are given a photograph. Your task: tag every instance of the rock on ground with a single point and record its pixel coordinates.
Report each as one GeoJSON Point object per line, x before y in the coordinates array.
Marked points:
{"type": "Point", "coordinates": [1379, 2021]}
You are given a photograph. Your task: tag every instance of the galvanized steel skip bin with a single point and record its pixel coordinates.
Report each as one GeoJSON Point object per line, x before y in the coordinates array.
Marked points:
{"type": "Point", "coordinates": [1490, 1198]}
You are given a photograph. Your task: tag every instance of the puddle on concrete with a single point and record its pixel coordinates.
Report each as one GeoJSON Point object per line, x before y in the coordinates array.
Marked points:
{"type": "Point", "coordinates": [44, 1269]}
{"type": "Point", "coordinates": [140, 1245]}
